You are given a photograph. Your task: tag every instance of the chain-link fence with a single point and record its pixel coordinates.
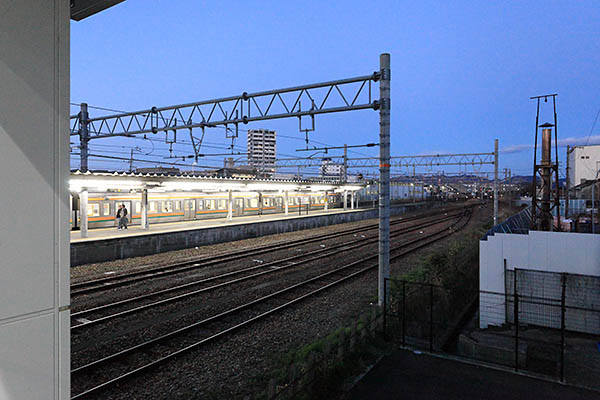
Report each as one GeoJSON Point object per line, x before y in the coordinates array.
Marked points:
{"type": "Point", "coordinates": [551, 324]}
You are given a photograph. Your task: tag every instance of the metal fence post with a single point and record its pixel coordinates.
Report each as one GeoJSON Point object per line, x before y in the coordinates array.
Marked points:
{"type": "Point", "coordinates": [562, 328]}
{"type": "Point", "coordinates": [516, 319]}
{"type": "Point", "coordinates": [430, 317]}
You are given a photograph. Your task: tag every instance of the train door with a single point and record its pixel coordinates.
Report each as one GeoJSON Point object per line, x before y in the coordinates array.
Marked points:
{"type": "Point", "coordinates": [189, 209]}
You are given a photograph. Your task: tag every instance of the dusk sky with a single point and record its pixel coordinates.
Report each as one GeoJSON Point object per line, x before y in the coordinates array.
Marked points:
{"type": "Point", "coordinates": [462, 71]}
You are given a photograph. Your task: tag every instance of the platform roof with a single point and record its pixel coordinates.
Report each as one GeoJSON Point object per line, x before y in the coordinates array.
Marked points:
{"type": "Point", "coordinates": [103, 181]}
{"type": "Point", "coordinates": [81, 9]}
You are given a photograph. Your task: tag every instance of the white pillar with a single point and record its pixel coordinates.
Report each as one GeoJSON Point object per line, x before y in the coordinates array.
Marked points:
{"type": "Point", "coordinates": [352, 200]}
{"type": "Point", "coordinates": [34, 160]}
{"type": "Point", "coordinates": [326, 202]}
{"type": "Point", "coordinates": [345, 200]}
{"type": "Point", "coordinates": [144, 209]}
{"type": "Point", "coordinates": [286, 202]}
{"type": "Point", "coordinates": [230, 207]}
{"type": "Point", "coordinates": [83, 212]}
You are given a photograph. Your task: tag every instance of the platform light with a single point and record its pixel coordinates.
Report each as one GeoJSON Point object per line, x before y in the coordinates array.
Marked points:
{"type": "Point", "coordinates": [263, 186]}
{"type": "Point", "coordinates": [75, 185]}
{"type": "Point", "coordinates": [202, 185]}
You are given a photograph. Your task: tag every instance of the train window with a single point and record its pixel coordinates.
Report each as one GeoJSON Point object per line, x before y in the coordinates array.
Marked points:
{"type": "Point", "coordinates": [210, 204]}
{"type": "Point", "coordinates": [177, 205]}
{"type": "Point", "coordinates": [152, 207]}
{"type": "Point", "coordinates": [253, 203]}
{"type": "Point", "coordinates": [138, 207]}
{"type": "Point", "coordinates": [265, 202]}
{"type": "Point", "coordinates": [93, 210]}
{"type": "Point", "coordinates": [222, 205]}
{"type": "Point", "coordinates": [200, 205]}
{"type": "Point", "coordinates": [106, 209]}
{"type": "Point", "coordinates": [167, 206]}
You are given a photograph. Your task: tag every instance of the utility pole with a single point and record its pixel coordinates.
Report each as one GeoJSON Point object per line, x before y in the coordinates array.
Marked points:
{"type": "Point", "coordinates": [384, 174]}
{"type": "Point", "coordinates": [495, 182]}
{"type": "Point", "coordinates": [568, 185]}
{"type": "Point", "coordinates": [84, 137]}
{"type": "Point", "coordinates": [131, 162]}
{"type": "Point", "coordinates": [345, 163]}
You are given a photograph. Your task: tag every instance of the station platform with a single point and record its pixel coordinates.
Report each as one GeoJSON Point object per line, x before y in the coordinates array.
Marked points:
{"type": "Point", "coordinates": [166, 227]}
{"type": "Point", "coordinates": [108, 244]}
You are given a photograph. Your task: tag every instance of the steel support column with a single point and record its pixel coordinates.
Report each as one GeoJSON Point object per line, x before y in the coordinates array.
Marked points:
{"type": "Point", "coordinates": [384, 174]}
{"type": "Point", "coordinates": [496, 181]}
{"type": "Point", "coordinates": [83, 215]}
{"type": "Point", "coordinates": [84, 137]}
{"type": "Point", "coordinates": [287, 201]}
{"type": "Point", "coordinates": [144, 209]}
{"type": "Point", "coordinates": [345, 200]}
{"type": "Point", "coordinates": [326, 201]}
{"type": "Point", "coordinates": [352, 200]}
{"type": "Point", "coordinates": [230, 206]}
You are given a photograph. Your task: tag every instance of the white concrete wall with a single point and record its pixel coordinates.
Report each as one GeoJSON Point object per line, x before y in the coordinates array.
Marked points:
{"type": "Point", "coordinates": [576, 253]}
{"type": "Point", "coordinates": [34, 169]}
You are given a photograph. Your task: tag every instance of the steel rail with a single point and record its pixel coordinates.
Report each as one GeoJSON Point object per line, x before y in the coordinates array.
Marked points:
{"type": "Point", "coordinates": [342, 246]}
{"type": "Point", "coordinates": [106, 283]}
{"type": "Point", "coordinates": [434, 236]}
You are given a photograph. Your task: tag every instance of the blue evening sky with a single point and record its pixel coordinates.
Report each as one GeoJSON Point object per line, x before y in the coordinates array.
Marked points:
{"type": "Point", "coordinates": [462, 71]}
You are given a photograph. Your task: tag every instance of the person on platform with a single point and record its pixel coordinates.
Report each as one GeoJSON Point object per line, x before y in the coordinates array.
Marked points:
{"type": "Point", "coordinates": [118, 216]}
{"type": "Point", "coordinates": [123, 216]}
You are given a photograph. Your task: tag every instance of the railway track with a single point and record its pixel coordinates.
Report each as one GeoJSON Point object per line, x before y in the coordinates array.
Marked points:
{"type": "Point", "coordinates": [110, 282]}
{"type": "Point", "coordinates": [92, 316]}
{"type": "Point", "coordinates": [114, 369]}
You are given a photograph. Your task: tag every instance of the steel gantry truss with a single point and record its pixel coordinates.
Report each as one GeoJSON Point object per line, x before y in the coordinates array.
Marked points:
{"type": "Point", "coordinates": [229, 112]}
{"type": "Point", "coordinates": [299, 101]}
{"type": "Point", "coordinates": [466, 159]}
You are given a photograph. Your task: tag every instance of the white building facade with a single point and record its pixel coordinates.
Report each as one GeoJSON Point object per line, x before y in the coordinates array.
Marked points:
{"type": "Point", "coordinates": [330, 169]}
{"type": "Point", "coordinates": [584, 162]}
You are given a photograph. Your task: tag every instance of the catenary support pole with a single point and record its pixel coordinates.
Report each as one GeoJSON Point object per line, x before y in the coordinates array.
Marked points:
{"type": "Point", "coordinates": [84, 137]}
{"type": "Point", "coordinates": [495, 181]}
{"type": "Point", "coordinates": [230, 206]}
{"type": "Point", "coordinates": [144, 209]}
{"type": "Point", "coordinates": [345, 163]}
{"type": "Point", "coordinates": [83, 214]}
{"type": "Point", "coordinates": [384, 174]}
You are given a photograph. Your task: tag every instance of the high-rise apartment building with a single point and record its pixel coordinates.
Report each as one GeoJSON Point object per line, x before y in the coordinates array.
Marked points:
{"type": "Point", "coordinates": [262, 150]}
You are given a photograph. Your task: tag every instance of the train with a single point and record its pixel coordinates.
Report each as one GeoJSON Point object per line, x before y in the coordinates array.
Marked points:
{"type": "Point", "coordinates": [186, 206]}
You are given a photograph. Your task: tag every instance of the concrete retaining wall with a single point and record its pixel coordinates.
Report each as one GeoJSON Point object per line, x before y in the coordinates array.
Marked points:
{"type": "Point", "coordinates": [135, 246]}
